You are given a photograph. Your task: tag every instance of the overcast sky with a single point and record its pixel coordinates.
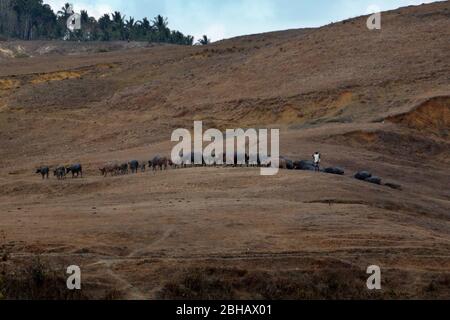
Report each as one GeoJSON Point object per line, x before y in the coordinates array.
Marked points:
{"type": "Point", "coordinates": [221, 19]}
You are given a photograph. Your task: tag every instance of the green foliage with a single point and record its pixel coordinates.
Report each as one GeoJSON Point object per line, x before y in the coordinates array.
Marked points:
{"type": "Point", "coordinates": [26, 19]}
{"type": "Point", "coordinates": [204, 41]}
{"type": "Point", "coordinates": [32, 20]}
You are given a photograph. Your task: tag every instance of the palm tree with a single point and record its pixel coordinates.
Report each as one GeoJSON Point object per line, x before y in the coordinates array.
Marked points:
{"type": "Point", "coordinates": [27, 12]}
{"type": "Point", "coordinates": [146, 24]}
{"type": "Point", "coordinates": [204, 41]}
{"type": "Point", "coordinates": [130, 23]}
{"type": "Point", "coordinates": [118, 24]}
{"type": "Point", "coordinates": [65, 11]}
{"type": "Point", "coordinates": [117, 18]}
{"type": "Point", "coordinates": [176, 37]}
{"type": "Point", "coordinates": [130, 27]}
{"type": "Point", "coordinates": [88, 25]}
{"type": "Point", "coordinates": [160, 23]}
{"type": "Point", "coordinates": [46, 22]}
{"type": "Point", "coordinates": [104, 24]}
{"type": "Point", "coordinates": [162, 31]}
{"type": "Point", "coordinates": [84, 16]}
{"type": "Point", "coordinates": [32, 19]}
{"type": "Point", "coordinates": [189, 40]}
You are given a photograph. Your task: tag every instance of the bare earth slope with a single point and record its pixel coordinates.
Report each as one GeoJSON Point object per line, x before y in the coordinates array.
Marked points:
{"type": "Point", "coordinates": [373, 100]}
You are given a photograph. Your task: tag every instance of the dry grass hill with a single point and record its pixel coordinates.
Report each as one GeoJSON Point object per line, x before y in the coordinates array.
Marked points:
{"type": "Point", "coordinates": [372, 100]}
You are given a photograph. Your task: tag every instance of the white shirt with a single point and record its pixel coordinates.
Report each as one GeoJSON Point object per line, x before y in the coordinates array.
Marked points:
{"type": "Point", "coordinates": [317, 158]}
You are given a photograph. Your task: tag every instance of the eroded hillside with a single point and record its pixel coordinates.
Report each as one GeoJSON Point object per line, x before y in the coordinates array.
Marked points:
{"type": "Point", "coordinates": [368, 100]}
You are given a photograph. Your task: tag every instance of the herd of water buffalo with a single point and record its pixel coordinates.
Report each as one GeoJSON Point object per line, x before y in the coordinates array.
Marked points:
{"type": "Point", "coordinates": [113, 169]}
{"type": "Point", "coordinates": [61, 172]}
{"type": "Point", "coordinates": [163, 163]}
{"type": "Point", "coordinates": [134, 166]}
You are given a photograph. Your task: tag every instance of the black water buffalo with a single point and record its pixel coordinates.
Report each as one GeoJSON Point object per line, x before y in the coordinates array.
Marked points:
{"type": "Point", "coordinates": [123, 168]}
{"type": "Point", "coordinates": [334, 170]}
{"type": "Point", "coordinates": [304, 165]}
{"type": "Point", "coordinates": [111, 168]}
{"type": "Point", "coordinates": [363, 175]}
{"type": "Point", "coordinates": [60, 173]}
{"type": "Point", "coordinates": [367, 177]}
{"type": "Point", "coordinates": [159, 162]}
{"type": "Point", "coordinates": [241, 158]}
{"type": "Point", "coordinates": [76, 170]}
{"type": "Point", "coordinates": [200, 155]}
{"type": "Point", "coordinates": [192, 159]}
{"type": "Point", "coordinates": [181, 161]}
{"type": "Point", "coordinates": [134, 166]}
{"type": "Point", "coordinates": [374, 180]}
{"type": "Point", "coordinates": [246, 159]}
{"type": "Point", "coordinates": [173, 165]}
{"type": "Point", "coordinates": [289, 164]}
{"type": "Point", "coordinates": [286, 164]}
{"type": "Point", "coordinates": [251, 160]}
{"type": "Point", "coordinates": [43, 171]}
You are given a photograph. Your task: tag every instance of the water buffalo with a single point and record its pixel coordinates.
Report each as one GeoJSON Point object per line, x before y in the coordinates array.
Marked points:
{"type": "Point", "coordinates": [43, 171]}
{"type": "Point", "coordinates": [289, 164]}
{"type": "Point", "coordinates": [282, 163]}
{"type": "Point", "coordinates": [123, 168]}
{"type": "Point", "coordinates": [264, 161]}
{"type": "Point", "coordinates": [367, 177]}
{"type": "Point", "coordinates": [60, 173]}
{"type": "Point", "coordinates": [76, 170]}
{"type": "Point", "coordinates": [334, 170]}
{"type": "Point", "coordinates": [374, 180]}
{"type": "Point", "coordinates": [304, 165]}
{"type": "Point", "coordinates": [241, 158]}
{"type": "Point", "coordinates": [286, 164]}
{"type": "Point", "coordinates": [134, 166]}
{"type": "Point", "coordinates": [176, 166]}
{"type": "Point", "coordinates": [215, 159]}
{"type": "Point", "coordinates": [251, 161]}
{"type": "Point", "coordinates": [209, 160]}
{"type": "Point", "coordinates": [363, 175]}
{"type": "Point", "coordinates": [191, 159]}
{"type": "Point", "coordinates": [161, 162]}
{"type": "Point", "coordinates": [200, 155]}
{"type": "Point", "coordinates": [181, 161]}
{"type": "Point", "coordinates": [111, 168]}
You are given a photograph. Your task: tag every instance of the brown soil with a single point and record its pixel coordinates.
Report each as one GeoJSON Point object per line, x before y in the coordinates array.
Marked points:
{"type": "Point", "coordinates": [431, 116]}
{"type": "Point", "coordinates": [376, 101]}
